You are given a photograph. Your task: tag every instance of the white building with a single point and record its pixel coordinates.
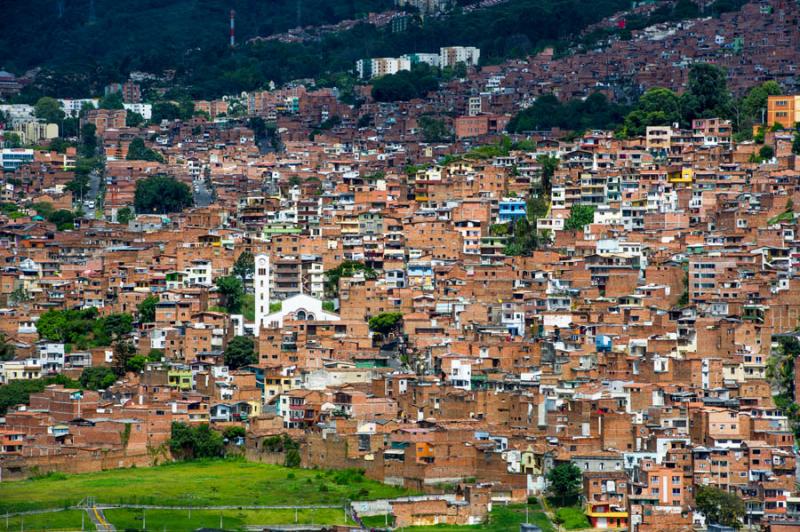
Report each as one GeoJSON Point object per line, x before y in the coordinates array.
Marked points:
{"type": "Point", "coordinates": [381, 66]}
{"type": "Point", "coordinates": [18, 111]}
{"type": "Point", "coordinates": [301, 307]}
{"type": "Point", "coordinates": [144, 109]}
{"type": "Point", "coordinates": [199, 273]}
{"type": "Point", "coordinates": [428, 59]}
{"type": "Point", "coordinates": [452, 55]}
{"type": "Point", "coordinates": [261, 282]}
{"type": "Point", "coordinates": [73, 107]}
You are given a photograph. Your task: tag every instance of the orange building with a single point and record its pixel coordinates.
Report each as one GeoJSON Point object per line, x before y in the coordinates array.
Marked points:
{"type": "Point", "coordinates": [783, 110]}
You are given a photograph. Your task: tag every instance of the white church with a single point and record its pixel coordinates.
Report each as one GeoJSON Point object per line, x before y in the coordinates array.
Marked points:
{"type": "Point", "coordinates": [301, 307]}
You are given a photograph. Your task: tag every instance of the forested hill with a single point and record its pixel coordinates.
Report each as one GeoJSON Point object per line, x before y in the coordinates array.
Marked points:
{"type": "Point", "coordinates": [84, 44]}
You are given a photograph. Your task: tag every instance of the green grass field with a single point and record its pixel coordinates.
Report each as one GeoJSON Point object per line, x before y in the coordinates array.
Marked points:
{"type": "Point", "coordinates": [174, 520]}
{"type": "Point", "coordinates": [65, 520]}
{"type": "Point", "coordinates": [572, 518]}
{"type": "Point", "coordinates": [201, 483]}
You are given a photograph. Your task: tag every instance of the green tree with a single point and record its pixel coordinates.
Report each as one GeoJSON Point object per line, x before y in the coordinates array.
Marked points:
{"type": "Point", "coordinates": [720, 506]}
{"type": "Point", "coordinates": [133, 119]}
{"type": "Point", "coordinates": [49, 110]}
{"type": "Point", "coordinates": [137, 151]}
{"type": "Point", "coordinates": [241, 352]}
{"type": "Point", "coordinates": [232, 291]}
{"type": "Point", "coordinates": [564, 483]}
{"type": "Point", "coordinates": [434, 129]}
{"type": "Point", "coordinates": [707, 93]}
{"type": "Point", "coordinates": [123, 353]}
{"type": "Point", "coordinates": [292, 458]}
{"type": "Point", "coordinates": [525, 237]}
{"type": "Point", "coordinates": [405, 85]}
{"type": "Point", "coordinates": [88, 146]}
{"type": "Point", "coordinates": [165, 111]}
{"type": "Point", "coordinates": [147, 309]}
{"type": "Point", "coordinates": [7, 349]}
{"type": "Point", "coordinates": [60, 145]}
{"type": "Point", "coordinates": [579, 217]}
{"type": "Point", "coordinates": [18, 392]}
{"type": "Point", "coordinates": [347, 268]}
{"type": "Point", "coordinates": [549, 165]}
{"type": "Point", "coordinates": [749, 108]}
{"type": "Point", "coordinates": [124, 215]}
{"type": "Point", "coordinates": [656, 107]}
{"type": "Point", "coordinates": [63, 219]}
{"type": "Point", "coordinates": [595, 112]}
{"type": "Point", "coordinates": [231, 433]}
{"type": "Point", "coordinates": [97, 378]}
{"type": "Point", "coordinates": [245, 265]}
{"type": "Point", "coordinates": [43, 208]}
{"type": "Point", "coordinates": [766, 153]}
{"type": "Point", "coordinates": [117, 325]}
{"type": "Point", "coordinates": [161, 194]}
{"type": "Point", "coordinates": [385, 322]}
{"type": "Point", "coordinates": [136, 364]}
{"type": "Point", "coordinates": [12, 140]}
{"type": "Point", "coordinates": [112, 100]}
{"type": "Point", "coordinates": [189, 442]}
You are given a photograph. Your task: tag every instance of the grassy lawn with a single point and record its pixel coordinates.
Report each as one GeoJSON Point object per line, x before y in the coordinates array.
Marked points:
{"type": "Point", "coordinates": [201, 483]}
{"type": "Point", "coordinates": [65, 520]}
{"type": "Point", "coordinates": [501, 519]}
{"type": "Point", "coordinates": [572, 518]}
{"type": "Point", "coordinates": [173, 520]}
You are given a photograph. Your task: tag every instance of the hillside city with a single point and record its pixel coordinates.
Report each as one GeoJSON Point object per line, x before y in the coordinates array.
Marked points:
{"type": "Point", "coordinates": [563, 285]}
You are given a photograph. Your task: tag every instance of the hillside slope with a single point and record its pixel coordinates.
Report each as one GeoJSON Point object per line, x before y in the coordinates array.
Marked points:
{"type": "Point", "coordinates": [85, 48]}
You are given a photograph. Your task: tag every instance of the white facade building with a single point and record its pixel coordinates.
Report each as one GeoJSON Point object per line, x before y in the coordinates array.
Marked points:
{"type": "Point", "coordinates": [452, 55]}
{"type": "Point", "coordinates": [261, 282]}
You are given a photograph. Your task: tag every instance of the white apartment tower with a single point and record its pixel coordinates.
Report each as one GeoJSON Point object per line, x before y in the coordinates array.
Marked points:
{"type": "Point", "coordinates": [261, 281]}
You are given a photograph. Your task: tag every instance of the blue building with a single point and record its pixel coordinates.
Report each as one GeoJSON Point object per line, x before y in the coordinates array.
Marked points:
{"type": "Point", "coordinates": [512, 210]}
{"type": "Point", "coordinates": [13, 158]}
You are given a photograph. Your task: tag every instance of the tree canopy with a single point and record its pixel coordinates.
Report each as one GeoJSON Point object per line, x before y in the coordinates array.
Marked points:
{"type": "Point", "coordinates": [48, 109]}
{"type": "Point", "coordinates": [83, 328]}
{"type": "Point", "coordinates": [347, 268]}
{"type": "Point", "coordinates": [405, 85]}
{"type": "Point", "coordinates": [166, 36]}
{"type": "Point", "coordinates": [147, 309]}
{"type": "Point", "coordinates": [195, 441]}
{"type": "Point", "coordinates": [245, 265]}
{"type": "Point", "coordinates": [720, 506]}
{"type": "Point", "coordinates": [656, 107]}
{"type": "Point", "coordinates": [137, 151]}
{"type": "Point", "coordinates": [595, 112]}
{"type": "Point", "coordinates": [385, 322]}
{"type": "Point", "coordinates": [241, 352]}
{"type": "Point", "coordinates": [564, 483]}
{"type": "Point", "coordinates": [707, 93]}
{"type": "Point", "coordinates": [97, 378]}
{"type": "Point", "coordinates": [579, 217]}
{"type": "Point", "coordinates": [232, 291]}
{"type": "Point", "coordinates": [124, 215]}
{"type": "Point", "coordinates": [161, 194]}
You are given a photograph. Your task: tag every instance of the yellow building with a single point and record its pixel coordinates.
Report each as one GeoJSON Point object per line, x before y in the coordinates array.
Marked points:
{"type": "Point", "coordinates": [684, 175]}
{"type": "Point", "coordinates": [14, 370]}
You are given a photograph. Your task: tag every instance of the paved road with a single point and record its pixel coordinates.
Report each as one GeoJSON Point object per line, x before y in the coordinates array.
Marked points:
{"type": "Point", "coordinates": [91, 193]}
{"type": "Point", "coordinates": [99, 519]}
{"type": "Point", "coordinates": [202, 194]}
